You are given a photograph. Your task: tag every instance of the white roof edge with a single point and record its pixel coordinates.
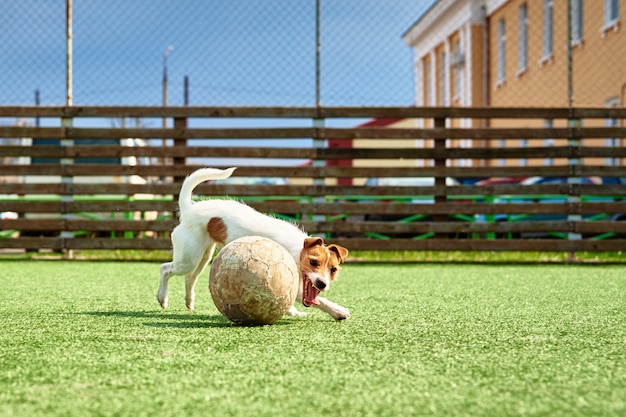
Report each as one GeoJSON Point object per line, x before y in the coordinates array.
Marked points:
{"type": "Point", "coordinates": [424, 22]}
{"type": "Point", "coordinates": [438, 10]}
{"type": "Point", "coordinates": [492, 5]}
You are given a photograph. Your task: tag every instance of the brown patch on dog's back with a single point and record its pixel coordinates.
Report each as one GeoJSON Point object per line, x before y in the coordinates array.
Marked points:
{"type": "Point", "coordinates": [217, 229]}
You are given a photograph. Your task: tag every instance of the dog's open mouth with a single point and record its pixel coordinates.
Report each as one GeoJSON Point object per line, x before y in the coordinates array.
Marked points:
{"type": "Point", "coordinates": [309, 293]}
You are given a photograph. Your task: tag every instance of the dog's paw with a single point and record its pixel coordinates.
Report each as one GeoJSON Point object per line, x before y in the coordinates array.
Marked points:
{"type": "Point", "coordinates": [293, 312]}
{"type": "Point", "coordinates": [340, 313]}
{"type": "Point", "coordinates": [162, 301]}
{"type": "Point", "coordinates": [190, 301]}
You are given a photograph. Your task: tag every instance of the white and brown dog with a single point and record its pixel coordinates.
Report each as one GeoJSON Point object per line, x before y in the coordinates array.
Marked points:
{"type": "Point", "coordinates": [204, 224]}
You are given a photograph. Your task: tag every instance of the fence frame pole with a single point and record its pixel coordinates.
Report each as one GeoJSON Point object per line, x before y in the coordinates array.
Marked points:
{"type": "Point", "coordinates": [440, 182]}
{"type": "Point", "coordinates": [68, 122]}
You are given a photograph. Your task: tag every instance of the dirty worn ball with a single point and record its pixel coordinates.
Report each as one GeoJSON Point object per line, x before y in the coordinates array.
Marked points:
{"type": "Point", "coordinates": [253, 281]}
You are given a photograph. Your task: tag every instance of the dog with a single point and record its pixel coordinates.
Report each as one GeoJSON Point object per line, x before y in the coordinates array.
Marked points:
{"type": "Point", "coordinates": [205, 224]}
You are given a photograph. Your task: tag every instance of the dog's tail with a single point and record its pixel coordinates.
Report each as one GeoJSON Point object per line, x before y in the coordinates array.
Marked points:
{"type": "Point", "coordinates": [195, 179]}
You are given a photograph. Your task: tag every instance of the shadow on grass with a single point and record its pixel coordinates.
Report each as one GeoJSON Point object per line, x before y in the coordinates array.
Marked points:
{"type": "Point", "coordinates": [173, 320]}
{"type": "Point", "coordinates": [183, 320]}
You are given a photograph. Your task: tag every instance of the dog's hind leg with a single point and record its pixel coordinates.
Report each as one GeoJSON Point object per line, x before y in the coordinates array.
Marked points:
{"type": "Point", "coordinates": [166, 274]}
{"type": "Point", "coordinates": [192, 279]}
{"type": "Point", "coordinates": [187, 255]}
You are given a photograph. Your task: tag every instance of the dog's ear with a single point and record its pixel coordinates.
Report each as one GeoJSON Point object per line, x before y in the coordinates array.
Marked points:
{"type": "Point", "coordinates": [342, 253]}
{"type": "Point", "coordinates": [309, 242]}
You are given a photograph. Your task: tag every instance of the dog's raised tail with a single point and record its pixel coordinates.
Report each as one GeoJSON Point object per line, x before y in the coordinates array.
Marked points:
{"type": "Point", "coordinates": [196, 178]}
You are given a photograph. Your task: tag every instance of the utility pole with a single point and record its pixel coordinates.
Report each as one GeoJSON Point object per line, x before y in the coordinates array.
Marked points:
{"type": "Point", "coordinates": [165, 80]}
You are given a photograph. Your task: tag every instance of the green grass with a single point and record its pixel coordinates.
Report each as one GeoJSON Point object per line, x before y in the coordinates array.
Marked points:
{"type": "Point", "coordinates": [618, 257]}
{"type": "Point", "coordinates": [88, 338]}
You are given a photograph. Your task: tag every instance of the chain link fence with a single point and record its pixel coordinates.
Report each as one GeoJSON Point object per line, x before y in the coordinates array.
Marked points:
{"type": "Point", "coordinates": [218, 52]}
{"type": "Point", "coordinates": [540, 53]}
{"type": "Point", "coordinates": [309, 52]}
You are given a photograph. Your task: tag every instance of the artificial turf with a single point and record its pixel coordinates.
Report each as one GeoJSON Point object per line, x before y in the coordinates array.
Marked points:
{"type": "Point", "coordinates": [88, 338]}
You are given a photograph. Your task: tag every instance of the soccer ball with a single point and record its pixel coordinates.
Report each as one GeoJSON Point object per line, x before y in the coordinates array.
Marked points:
{"type": "Point", "coordinates": [253, 281]}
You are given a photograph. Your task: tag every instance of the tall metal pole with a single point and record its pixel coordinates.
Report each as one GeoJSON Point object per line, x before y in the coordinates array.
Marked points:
{"type": "Point", "coordinates": [68, 81]}
{"type": "Point", "coordinates": [37, 103]}
{"type": "Point", "coordinates": [318, 122]}
{"type": "Point", "coordinates": [165, 80]}
{"type": "Point", "coordinates": [318, 48]}
{"type": "Point", "coordinates": [570, 84]}
{"type": "Point", "coordinates": [67, 122]}
{"type": "Point", "coordinates": [167, 51]}
{"type": "Point", "coordinates": [186, 90]}
{"type": "Point", "coordinates": [574, 178]}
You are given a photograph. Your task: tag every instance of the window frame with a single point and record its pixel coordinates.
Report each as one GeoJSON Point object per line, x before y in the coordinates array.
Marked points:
{"type": "Point", "coordinates": [577, 22]}
{"type": "Point", "coordinates": [501, 72]}
{"type": "Point", "coordinates": [547, 46]}
{"type": "Point", "coordinates": [522, 56]}
{"type": "Point", "coordinates": [611, 17]}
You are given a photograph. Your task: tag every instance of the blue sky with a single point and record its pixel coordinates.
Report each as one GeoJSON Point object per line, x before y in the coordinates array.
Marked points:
{"type": "Point", "coordinates": [235, 52]}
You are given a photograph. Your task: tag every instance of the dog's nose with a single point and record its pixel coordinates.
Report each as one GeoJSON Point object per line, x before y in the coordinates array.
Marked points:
{"type": "Point", "coordinates": [320, 285]}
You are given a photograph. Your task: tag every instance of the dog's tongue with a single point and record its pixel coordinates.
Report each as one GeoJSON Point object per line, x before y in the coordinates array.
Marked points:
{"type": "Point", "coordinates": [309, 293]}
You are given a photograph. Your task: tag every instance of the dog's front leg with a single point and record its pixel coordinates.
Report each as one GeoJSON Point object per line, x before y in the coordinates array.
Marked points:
{"type": "Point", "coordinates": [293, 311]}
{"type": "Point", "coordinates": [335, 310]}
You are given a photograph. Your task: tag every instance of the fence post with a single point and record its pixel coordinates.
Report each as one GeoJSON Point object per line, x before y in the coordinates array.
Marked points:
{"type": "Point", "coordinates": [440, 181]}
{"type": "Point", "coordinates": [68, 180]}
{"type": "Point", "coordinates": [574, 180]}
{"type": "Point", "coordinates": [68, 122]}
{"type": "Point", "coordinates": [318, 143]}
{"type": "Point", "coordinates": [179, 124]}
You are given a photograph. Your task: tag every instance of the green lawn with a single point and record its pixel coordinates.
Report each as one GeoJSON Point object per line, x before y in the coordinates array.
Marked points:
{"type": "Point", "coordinates": [88, 338]}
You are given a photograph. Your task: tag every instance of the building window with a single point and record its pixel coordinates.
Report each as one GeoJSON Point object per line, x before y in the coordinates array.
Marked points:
{"type": "Point", "coordinates": [611, 16]}
{"type": "Point", "coordinates": [549, 142]}
{"type": "Point", "coordinates": [523, 143]}
{"type": "Point", "coordinates": [547, 31]}
{"type": "Point", "coordinates": [577, 22]}
{"type": "Point", "coordinates": [501, 51]}
{"type": "Point", "coordinates": [501, 145]}
{"type": "Point", "coordinates": [522, 58]}
{"type": "Point", "coordinates": [611, 11]}
{"type": "Point", "coordinates": [612, 142]}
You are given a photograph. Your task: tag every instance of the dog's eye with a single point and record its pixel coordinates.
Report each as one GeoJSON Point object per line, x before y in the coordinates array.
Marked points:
{"type": "Point", "coordinates": [314, 262]}
{"type": "Point", "coordinates": [333, 270]}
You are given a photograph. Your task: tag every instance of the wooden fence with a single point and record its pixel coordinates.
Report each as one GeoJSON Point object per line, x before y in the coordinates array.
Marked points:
{"type": "Point", "coordinates": [69, 180]}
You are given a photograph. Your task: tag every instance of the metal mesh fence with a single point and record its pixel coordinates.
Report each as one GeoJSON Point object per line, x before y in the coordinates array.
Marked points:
{"type": "Point", "coordinates": [242, 52]}
{"type": "Point", "coordinates": [371, 52]}
{"type": "Point", "coordinates": [520, 53]}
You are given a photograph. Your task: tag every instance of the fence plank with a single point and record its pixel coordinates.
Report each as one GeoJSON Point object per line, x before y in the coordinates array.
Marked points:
{"type": "Point", "coordinates": [260, 134]}
{"type": "Point", "coordinates": [314, 112]}
{"type": "Point", "coordinates": [460, 192]}
{"type": "Point", "coordinates": [530, 245]}
{"type": "Point", "coordinates": [58, 244]}
{"type": "Point", "coordinates": [96, 151]}
{"type": "Point", "coordinates": [89, 225]}
{"type": "Point", "coordinates": [534, 245]}
{"type": "Point", "coordinates": [311, 172]}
